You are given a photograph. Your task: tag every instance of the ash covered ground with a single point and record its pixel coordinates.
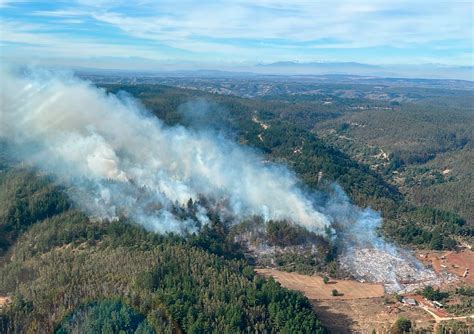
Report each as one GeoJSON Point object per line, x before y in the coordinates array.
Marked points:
{"type": "Point", "coordinates": [396, 268]}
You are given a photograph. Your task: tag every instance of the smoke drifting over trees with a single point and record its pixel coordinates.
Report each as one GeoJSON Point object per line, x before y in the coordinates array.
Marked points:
{"type": "Point", "coordinates": [118, 160]}
{"type": "Point", "coordinates": [122, 161]}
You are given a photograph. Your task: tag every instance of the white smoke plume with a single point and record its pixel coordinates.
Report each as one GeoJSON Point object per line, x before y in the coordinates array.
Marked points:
{"type": "Point", "coordinates": [116, 159]}
{"type": "Point", "coordinates": [367, 256]}
{"type": "Point", "coordinates": [122, 161]}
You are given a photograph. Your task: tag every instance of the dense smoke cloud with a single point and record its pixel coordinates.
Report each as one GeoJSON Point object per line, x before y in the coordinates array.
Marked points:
{"type": "Point", "coordinates": [118, 160]}
{"type": "Point", "coordinates": [122, 161]}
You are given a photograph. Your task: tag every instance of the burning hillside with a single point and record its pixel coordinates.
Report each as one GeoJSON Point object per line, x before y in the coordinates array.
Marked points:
{"type": "Point", "coordinates": [118, 160]}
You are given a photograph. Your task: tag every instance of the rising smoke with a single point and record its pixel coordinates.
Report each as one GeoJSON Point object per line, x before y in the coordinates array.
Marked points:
{"type": "Point", "coordinates": [123, 161]}
{"type": "Point", "coordinates": [366, 255]}
{"type": "Point", "coordinates": [118, 160]}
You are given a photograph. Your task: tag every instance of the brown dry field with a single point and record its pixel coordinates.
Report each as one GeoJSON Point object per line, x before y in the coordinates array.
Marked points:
{"type": "Point", "coordinates": [4, 300]}
{"type": "Point", "coordinates": [361, 309]}
{"type": "Point", "coordinates": [455, 262]}
{"type": "Point", "coordinates": [365, 315]}
{"type": "Point", "coordinates": [313, 287]}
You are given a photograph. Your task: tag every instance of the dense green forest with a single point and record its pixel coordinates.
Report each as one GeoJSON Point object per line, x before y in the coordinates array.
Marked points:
{"type": "Point", "coordinates": [66, 273]}
{"type": "Point", "coordinates": [282, 128]}
{"type": "Point", "coordinates": [424, 148]}
{"type": "Point", "coordinates": [415, 134]}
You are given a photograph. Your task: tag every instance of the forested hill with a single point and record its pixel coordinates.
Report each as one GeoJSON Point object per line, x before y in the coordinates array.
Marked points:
{"type": "Point", "coordinates": [64, 273]}
{"type": "Point", "coordinates": [269, 125]}
{"type": "Point", "coordinates": [251, 122]}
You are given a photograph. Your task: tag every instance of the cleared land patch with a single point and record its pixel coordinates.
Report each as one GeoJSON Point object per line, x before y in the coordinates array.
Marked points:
{"type": "Point", "coordinates": [4, 301]}
{"type": "Point", "coordinates": [459, 263]}
{"type": "Point", "coordinates": [365, 315]}
{"type": "Point", "coordinates": [363, 307]}
{"type": "Point", "coordinates": [314, 287]}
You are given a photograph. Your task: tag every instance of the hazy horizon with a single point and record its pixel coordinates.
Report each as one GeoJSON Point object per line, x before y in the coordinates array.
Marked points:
{"type": "Point", "coordinates": [408, 39]}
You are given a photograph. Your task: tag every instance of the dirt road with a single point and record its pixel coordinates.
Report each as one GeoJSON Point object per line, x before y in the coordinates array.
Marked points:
{"type": "Point", "coordinates": [439, 319]}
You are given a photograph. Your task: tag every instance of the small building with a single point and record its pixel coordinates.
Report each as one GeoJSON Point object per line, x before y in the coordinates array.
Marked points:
{"type": "Point", "coordinates": [409, 301]}
{"type": "Point", "coordinates": [437, 304]}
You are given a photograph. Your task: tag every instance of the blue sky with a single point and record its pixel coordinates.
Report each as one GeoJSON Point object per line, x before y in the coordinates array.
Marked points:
{"type": "Point", "coordinates": [145, 34]}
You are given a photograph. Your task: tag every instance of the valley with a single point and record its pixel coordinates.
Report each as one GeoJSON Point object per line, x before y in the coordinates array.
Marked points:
{"type": "Point", "coordinates": [47, 232]}
{"type": "Point", "coordinates": [224, 167]}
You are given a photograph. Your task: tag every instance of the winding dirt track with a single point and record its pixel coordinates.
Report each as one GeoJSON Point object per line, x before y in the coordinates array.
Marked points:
{"type": "Point", "coordinates": [439, 319]}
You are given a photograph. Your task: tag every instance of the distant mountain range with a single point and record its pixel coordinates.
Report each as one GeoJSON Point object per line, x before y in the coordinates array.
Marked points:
{"type": "Point", "coordinates": [422, 71]}
{"type": "Point", "coordinates": [434, 71]}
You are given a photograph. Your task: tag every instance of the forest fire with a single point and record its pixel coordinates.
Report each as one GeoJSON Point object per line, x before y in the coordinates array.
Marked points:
{"type": "Point", "coordinates": [397, 269]}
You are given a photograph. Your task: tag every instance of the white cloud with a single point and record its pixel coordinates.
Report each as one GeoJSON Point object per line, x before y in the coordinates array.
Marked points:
{"type": "Point", "coordinates": [60, 13]}
{"type": "Point", "coordinates": [31, 42]}
{"type": "Point", "coordinates": [354, 25]}
{"type": "Point", "coordinates": [246, 30]}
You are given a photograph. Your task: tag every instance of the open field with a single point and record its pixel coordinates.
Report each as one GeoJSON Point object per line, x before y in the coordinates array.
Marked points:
{"type": "Point", "coordinates": [314, 288]}
{"type": "Point", "coordinates": [4, 301]}
{"type": "Point", "coordinates": [455, 263]}
{"type": "Point", "coordinates": [365, 315]}
{"type": "Point", "coordinates": [362, 307]}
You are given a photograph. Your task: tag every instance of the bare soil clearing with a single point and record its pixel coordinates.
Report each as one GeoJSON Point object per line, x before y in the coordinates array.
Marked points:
{"type": "Point", "coordinates": [4, 301]}
{"type": "Point", "coordinates": [314, 288]}
{"type": "Point", "coordinates": [365, 315]}
{"type": "Point", "coordinates": [360, 309]}
{"type": "Point", "coordinates": [453, 262]}
{"type": "Point", "coordinates": [363, 307]}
